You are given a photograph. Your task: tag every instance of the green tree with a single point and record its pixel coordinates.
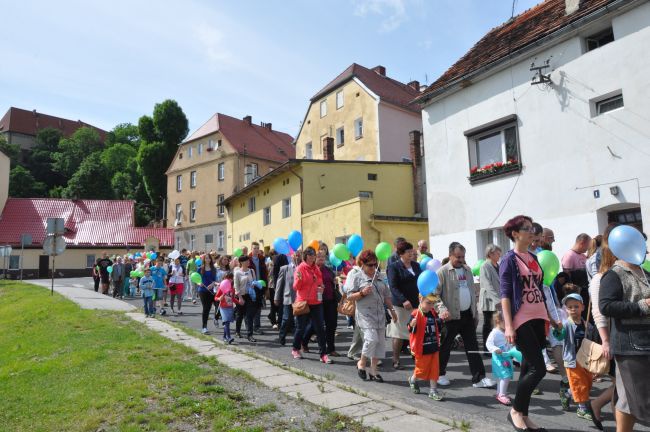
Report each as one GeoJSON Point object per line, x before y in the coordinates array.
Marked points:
{"type": "Point", "coordinates": [74, 150]}
{"type": "Point", "coordinates": [125, 133]}
{"type": "Point", "coordinates": [11, 150]}
{"type": "Point", "coordinates": [90, 181]}
{"type": "Point", "coordinates": [39, 160]}
{"type": "Point", "coordinates": [22, 184]}
{"type": "Point", "coordinates": [117, 157]}
{"type": "Point", "coordinates": [152, 164]}
{"type": "Point", "coordinates": [170, 123]}
{"type": "Point", "coordinates": [147, 129]}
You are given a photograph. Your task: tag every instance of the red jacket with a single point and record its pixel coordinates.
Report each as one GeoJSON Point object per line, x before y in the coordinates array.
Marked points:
{"type": "Point", "coordinates": [416, 339]}
{"type": "Point", "coordinates": [307, 286]}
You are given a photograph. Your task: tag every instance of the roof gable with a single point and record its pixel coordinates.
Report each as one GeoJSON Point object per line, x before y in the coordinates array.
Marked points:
{"type": "Point", "coordinates": [30, 122]}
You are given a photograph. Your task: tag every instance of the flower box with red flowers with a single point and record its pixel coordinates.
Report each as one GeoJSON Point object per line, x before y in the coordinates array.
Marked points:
{"type": "Point", "coordinates": [477, 173]}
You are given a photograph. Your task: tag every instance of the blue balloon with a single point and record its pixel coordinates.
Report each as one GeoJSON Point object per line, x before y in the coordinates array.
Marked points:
{"type": "Point", "coordinates": [281, 245]}
{"type": "Point", "coordinates": [335, 260]}
{"type": "Point", "coordinates": [355, 244]}
{"type": "Point", "coordinates": [198, 262]}
{"type": "Point", "coordinates": [423, 263]}
{"type": "Point", "coordinates": [427, 282]}
{"type": "Point", "coordinates": [295, 239]}
{"type": "Point", "coordinates": [628, 244]}
{"type": "Point", "coordinates": [154, 255]}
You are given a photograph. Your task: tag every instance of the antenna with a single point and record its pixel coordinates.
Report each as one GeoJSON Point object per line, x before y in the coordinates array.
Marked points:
{"type": "Point", "coordinates": [540, 77]}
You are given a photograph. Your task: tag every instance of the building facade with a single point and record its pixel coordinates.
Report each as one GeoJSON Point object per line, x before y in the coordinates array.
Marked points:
{"type": "Point", "coordinates": [220, 158]}
{"type": "Point", "coordinates": [566, 140]}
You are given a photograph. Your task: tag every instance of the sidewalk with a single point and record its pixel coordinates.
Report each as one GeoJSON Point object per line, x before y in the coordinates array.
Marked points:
{"type": "Point", "coordinates": [372, 410]}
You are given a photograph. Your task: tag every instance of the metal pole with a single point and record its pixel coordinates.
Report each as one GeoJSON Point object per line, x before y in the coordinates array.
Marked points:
{"type": "Point", "coordinates": [53, 260]}
{"type": "Point", "coordinates": [22, 254]}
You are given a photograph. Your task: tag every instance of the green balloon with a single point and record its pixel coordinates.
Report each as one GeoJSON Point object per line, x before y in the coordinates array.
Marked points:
{"type": "Point", "coordinates": [238, 252]}
{"type": "Point", "coordinates": [646, 265]}
{"type": "Point", "coordinates": [139, 273]}
{"type": "Point", "coordinates": [133, 273]}
{"type": "Point", "coordinates": [383, 251]}
{"type": "Point", "coordinates": [476, 270]}
{"type": "Point", "coordinates": [196, 278]}
{"type": "Point", "coordinates": [262, 283]}
{"type": "Point", "coordinates": [341, 251]}
{"type": "Point", "coordinates": [549, 262]}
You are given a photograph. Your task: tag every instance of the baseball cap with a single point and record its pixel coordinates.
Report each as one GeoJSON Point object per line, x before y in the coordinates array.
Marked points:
{"type": "Point", "coordinates": [572, 296]}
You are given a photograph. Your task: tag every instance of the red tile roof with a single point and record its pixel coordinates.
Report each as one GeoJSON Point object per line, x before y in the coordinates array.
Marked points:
{"type": "Point", "coordinates": [516, 34]}
{"type": "Point", "coordinates": [252, 139]}
{"type": "Point", "coordinates": [87, 222]}
{"type": "Point", "coordinates": [388, 89]}
{"type": "Point", "coordinates": [30, 122]}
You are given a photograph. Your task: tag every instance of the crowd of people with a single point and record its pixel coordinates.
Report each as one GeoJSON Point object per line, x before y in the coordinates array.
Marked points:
{"type": "Point", "coordinates": [528, 321]}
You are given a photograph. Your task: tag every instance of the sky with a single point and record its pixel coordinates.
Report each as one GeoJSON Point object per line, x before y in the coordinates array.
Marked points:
{"type": "Point", "coordinates": [110, 62]}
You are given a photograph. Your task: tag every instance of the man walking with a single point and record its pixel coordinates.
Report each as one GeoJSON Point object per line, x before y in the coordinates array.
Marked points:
{"type": "Point", "coordinates": [118, 278]}
{"type": "Point", "coordinates": [259, 267]}
{"type": "Point", "coordinates": [285, 296]}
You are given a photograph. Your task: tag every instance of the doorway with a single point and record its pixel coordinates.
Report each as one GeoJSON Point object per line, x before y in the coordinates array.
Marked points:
{"type": "Point", "coordinates": [630, 217]}
{"type": "Point", "coordinates": [43, 266]}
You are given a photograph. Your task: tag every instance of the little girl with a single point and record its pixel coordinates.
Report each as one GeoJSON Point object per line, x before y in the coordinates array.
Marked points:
{"type": "Point", "coordinates": [424, 340]}
{"type": "Point", "coordinates": [501, 364]}
{"type": "Point", "coordinates": [227, 298]}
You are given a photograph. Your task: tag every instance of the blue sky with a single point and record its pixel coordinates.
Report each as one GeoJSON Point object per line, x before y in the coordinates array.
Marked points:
{"type": "Point", "coordinates": [110, 62]}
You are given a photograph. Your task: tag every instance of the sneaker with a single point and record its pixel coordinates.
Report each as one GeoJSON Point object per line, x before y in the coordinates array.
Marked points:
{"type": "Point", "coordinates": [163, 312]}
{"type": "Point", "coordinates": [435, 394]}
{"type": "Point", "coordinates": [231, 341]}
{"type": "Point", "coordinates": [550, 368]}
{"type": "Point", "coordinates": [258, 331]}
{"type": "Point", "coordinates": [252, 339]}
{"type": "Point", "coordinates": [296, 354]}
{"type": "Point", "coordinates": [193, 301]}
{"type": "Point", "coordinates": [275, 327]}
{"type": "Point", "coordinates": [504, 400]}
{"type": "Point", "coordinates": [238, 335]}
{"type": "Point", "coordinates": [415, 388]}
{"type": "Point", "coordinates": [537, 391]}
{"type": "Point", "coordinates": [179, 313]}
{"type": "Point", "coordinates": [204, 330]}
{"type": "Point", "coordinates": [166, 305]}
{"type": "Point", "coordinates": [326, 359]}
{"type": "Point", "coordinates": [215, 322]}
{"type": "Point", "coordinates": [585, 414]}
{"type": "Point", "coordinates": [443, 380]}
{"type": "Point", "coordinates": [484, 383]}
{"type": "Point", "coordinates": [350, 327]}
{"type": "Point", "coordinates": [564, 400]}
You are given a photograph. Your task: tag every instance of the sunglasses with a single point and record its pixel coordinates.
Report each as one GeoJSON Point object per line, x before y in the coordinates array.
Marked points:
{"type": "Point", "coordinates": [371, 264]}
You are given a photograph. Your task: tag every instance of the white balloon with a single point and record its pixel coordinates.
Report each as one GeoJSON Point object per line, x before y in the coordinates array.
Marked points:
{"type": "Point", "coordinates": [174, 254]}
{"type": "Point", "coordinates": [433, 265]}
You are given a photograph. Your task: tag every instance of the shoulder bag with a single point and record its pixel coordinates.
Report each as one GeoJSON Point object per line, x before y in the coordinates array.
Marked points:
{"type": "Point", "coordinates": [590, 355]}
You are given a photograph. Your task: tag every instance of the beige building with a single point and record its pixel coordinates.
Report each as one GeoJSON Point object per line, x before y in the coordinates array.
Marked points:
{"type": "Point", "coordinates": [4, 179]}
{"type": "Point", "coordinates": [368, 114]}
{"type": "Point", "coordinates": [221, 158]}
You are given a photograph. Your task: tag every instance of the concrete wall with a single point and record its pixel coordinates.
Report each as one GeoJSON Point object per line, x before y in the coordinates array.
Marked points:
{"type": "Point", "coordinates": [4, 180]}
{"type": "Point", "coordinates": [567, 153]}
{"type": "Point", "coordinates": [394, 127]}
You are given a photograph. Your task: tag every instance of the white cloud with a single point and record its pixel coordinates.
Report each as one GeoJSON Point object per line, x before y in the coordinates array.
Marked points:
{"type": "Point", "coordinates": [212, 44]}
{"type": "Point", "coordinates": [393, 12]}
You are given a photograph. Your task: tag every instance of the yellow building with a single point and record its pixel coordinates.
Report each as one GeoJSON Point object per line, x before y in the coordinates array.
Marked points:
{"type": "Point", "coordinates": [329, 201]}
{"type": "Point", "coordinates": [220, 158]}
{"type": "Point", "coordinates": [4, 179]}
{"type": "Point", "coordinates": [368, 114]}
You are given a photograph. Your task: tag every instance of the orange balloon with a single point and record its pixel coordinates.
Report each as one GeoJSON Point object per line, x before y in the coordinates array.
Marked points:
{"type": "Point", "coordinates": [315, 244]}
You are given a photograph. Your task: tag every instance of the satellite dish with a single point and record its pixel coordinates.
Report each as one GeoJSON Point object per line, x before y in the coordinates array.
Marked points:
{"type": "Point", "coordinates": [54, 247]}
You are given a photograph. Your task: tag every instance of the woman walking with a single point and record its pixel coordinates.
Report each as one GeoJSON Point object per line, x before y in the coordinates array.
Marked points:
{"type": "Point", "coordinates": [489, 296]}
{"type": "Point", "coordinates": [206, 290]}
{"type": "Point", "coordinates": [243, 279]}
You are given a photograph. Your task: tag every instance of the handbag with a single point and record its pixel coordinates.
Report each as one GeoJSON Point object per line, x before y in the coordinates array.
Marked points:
{"type": "Point", "coordinates": [300, 308]}
{"type": "Point", "coordinates": [591, 356]}
{"type": "Point", "coordinates": [347, 307]}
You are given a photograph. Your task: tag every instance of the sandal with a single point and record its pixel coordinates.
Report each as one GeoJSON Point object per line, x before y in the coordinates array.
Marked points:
{"type": "Point", "coordinates": [377, 378]}
{"type": "Point", "coordinates": [362, 374]}
{"type": "Point", "coordinates": [415, 388]}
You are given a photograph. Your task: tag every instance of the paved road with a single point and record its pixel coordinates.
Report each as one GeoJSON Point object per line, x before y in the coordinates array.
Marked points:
{"type": "Point", "coordinates": [462, 400]}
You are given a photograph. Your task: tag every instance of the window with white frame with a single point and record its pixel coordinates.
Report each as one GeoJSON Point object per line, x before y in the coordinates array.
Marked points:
{"type": "Point", "coordinates": [251, 204]}
{"type": "Point", "coordinates": [308, 151]}
{"type": "Point", "coordinates": [323, 108]}
{"type": "Point", "coordinates": [339, 99]}
{"type": "Point", "coordinates": [209, 238]}
{"type": "Point", "coordinates": [199, 148]}
{"type": "Point", "coordinates": [192, 211]}
{"type": "Point", "coordinates": [218, 144]}
{"type": "Point", "coordinates": [178, 212]}
{"type": "Point", "coordinates": [286, 208]}
{"type": "Point", "coordinates": [494, 149]}
{"type": "Point", "coordinates": [599, 39]}
{"type": "Point", "coordinates": [192, 242]}
{"type": "Point", "coordinates": [250, 174]}
{"type": "Point", "coordinates": [193, 179]}
{"type": "Point", "coordinates": [221, 171]}
{"type": "Point", "coordinates": [221, 210]}
{"type": "Point", "coordinates": [358, 128]}
{"type": "Point", "coordinates": [340, 136]}
{"type": "Point", "coordinates": [610, 104]}
{"type": "Point", "coordinates": [210, 144]}
{"type": "Point", "coordinates": [90, 261]}
{"type": "Point", "coordinates": [495, 236]}
{"type": "Point", "coordinates": [178, 242]}
{"type": "Point", "coordinates": [190, 150]}
{"type": "Point", "coordinates": [14, 262]}
{"type": "Point", "coordinates": [267, 215]}
{"type": "Point", "coordinates": [220, 240]}
{"type": "Point", "coordinates": [179, 183]}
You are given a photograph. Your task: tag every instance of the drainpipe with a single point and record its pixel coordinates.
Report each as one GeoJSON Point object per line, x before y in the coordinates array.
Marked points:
{"type": "Point", "coordinates": [302, 206]}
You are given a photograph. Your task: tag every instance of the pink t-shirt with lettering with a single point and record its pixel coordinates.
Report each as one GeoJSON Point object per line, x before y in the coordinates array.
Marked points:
{"type": "Point", "coordinates": [532, 306]}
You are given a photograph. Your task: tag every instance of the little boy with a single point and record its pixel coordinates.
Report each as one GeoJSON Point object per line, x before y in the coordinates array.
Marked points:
{"type": "Point", "coordinates": [424, 341]}
{"type": "Point", "coordinates": [580, 379]}
{"type": "Point", "coordinates": [146, 286]}
{"type": "Point", "coordinates": [159, 276]}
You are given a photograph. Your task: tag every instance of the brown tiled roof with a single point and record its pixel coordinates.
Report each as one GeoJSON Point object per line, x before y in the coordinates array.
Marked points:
{"type": "Point", "coordinates": [520, 32]}
{"type": "Point", "coordinates": [252, 139]}
{"type": "Point", "coordinates": [388, 89]}
{"type": "Point", "coordinates": [30, 122]}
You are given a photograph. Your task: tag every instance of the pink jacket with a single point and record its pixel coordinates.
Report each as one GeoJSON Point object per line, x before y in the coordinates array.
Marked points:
{"type": "Point", "coordinates": [307, 285]}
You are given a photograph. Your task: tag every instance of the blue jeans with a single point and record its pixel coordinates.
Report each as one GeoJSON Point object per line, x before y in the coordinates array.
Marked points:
{"type": "Point", "coordinates": [315, 318]}
{"type": "Point", "coordinates": [287, 321]}
{"type": "Point", "coordinates": [148, 305]}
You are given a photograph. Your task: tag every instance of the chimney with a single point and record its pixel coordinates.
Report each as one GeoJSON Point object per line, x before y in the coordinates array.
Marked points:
{"type": "Point", "coordinates": [571, 6]}
{"type": "Point", "coordinates": [416, 161]}
{"type": "Point", "coordinates": [380, 70]}
{"type": "Point", "coordinates": [269, 126]}
{"type": "Point", "coordinates": [415, 85]}
{"type": "Point", "coordinates": [328, 149]}
{"type": "Point", "coordinates": [248, 120]}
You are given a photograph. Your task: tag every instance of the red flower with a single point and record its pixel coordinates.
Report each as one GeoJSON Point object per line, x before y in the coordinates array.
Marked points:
{"type": "Point", "coordinates": [473, 170]}
{"type": "Point", "coordinates": [499, 164]}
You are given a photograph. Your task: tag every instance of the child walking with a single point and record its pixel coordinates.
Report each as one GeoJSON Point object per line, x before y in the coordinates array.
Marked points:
{"type": "Point", "coordinates": [227, 298]}
{"type": "Point", "coordinates": [146, 286]}
{"type": "Point", "coordinates": [580, 379]}
{"type": "Point", "coordinates": [424, 340]}
{"type": "Point", "coordinates": [502, 368]}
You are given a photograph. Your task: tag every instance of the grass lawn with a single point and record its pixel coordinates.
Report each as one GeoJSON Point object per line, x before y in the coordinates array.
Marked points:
{"type": "Point", "coordinates": [67, 369]}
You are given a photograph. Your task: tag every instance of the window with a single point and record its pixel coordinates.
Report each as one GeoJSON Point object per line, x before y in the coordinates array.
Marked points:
{"type": "Point", "coordinates": [218, 144]}
{"type": "Point", "coordinates": [192, 242]}
{"type": "Point", "coordinates": [199, 149]}
{"type": "Point", "coordinates": [627, 217]}
{"type": "Point", "coordinates": [495, 236]}
{"type": "Point", "coordinates": [493, 150]}
{"type": "Point", "coordinates": [599, 39]}
{"type": "Point", "coordinates": [14, 262]}
{"type": "Point", "coordinates": [220, 240]}
{"type": "Point", "coordinates": [267, 215]}
{"type": "Point", "coordinates": [90, 261]}
{"type": "Point", "coordinates": [372, 176]}
{"type": "Point", "coordinates": [251, 204]}
{"type": "Point", "coordinates": [210, 144]}
{"type": "Point", "coordinates": [178, 213]}
{"type": "Point", "coordinates": [209, 238]}
{"type": "Point", "coordinates": [323, 108]}
{"type": "Point", "coordinates": [179, 183]}
{"type": "Point", "coordinates": [365, 194]}
{"type": "Point", "coordinates": [358, 128]}
{"type": "Point", "coordinates": [178, 242]}
{"type": "Point", "coordinates": [308, 151]}
{"type": "Point", "coordinates": [286, 208]}
{"type": "Point", "coordinates": [220, 207]}
{"type": "Point", "coordinates": [339, 99]}
{"type": "Point", "coordinates": [609, 104]}
{"type": "Point", "coordinates": [192, 211]}
{"type": "Point", "coordinates": [193, 179]}
{"type": "Point", "coordinates": [221, 172]}
{"type": "Point", "coordinates": [250, 174]}
{"type": "Point", "coordinates": [340, 137]}
{"type": "Point", "coordinates": [190, 150]}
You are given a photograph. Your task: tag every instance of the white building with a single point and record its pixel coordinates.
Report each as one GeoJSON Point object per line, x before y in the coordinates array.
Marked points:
{"type": "Point", "coordinates": [581, 141]}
